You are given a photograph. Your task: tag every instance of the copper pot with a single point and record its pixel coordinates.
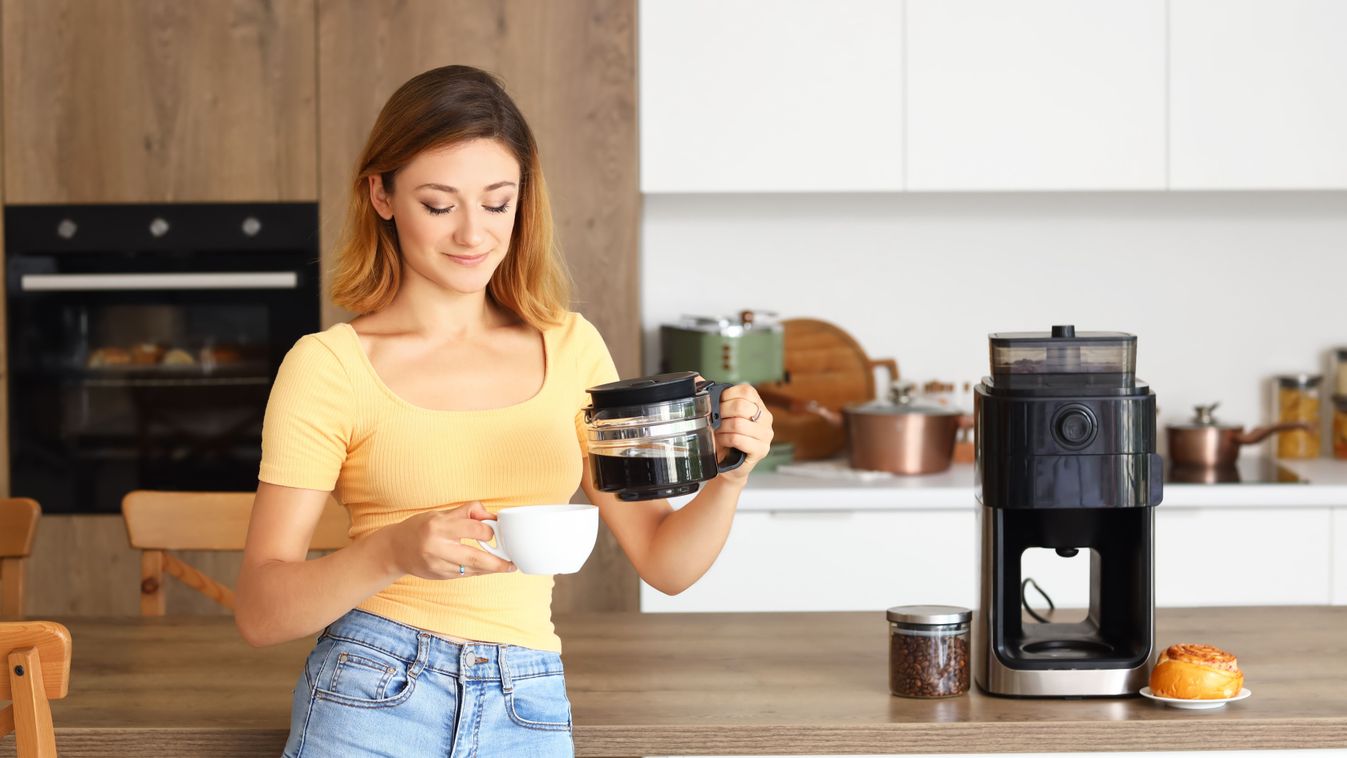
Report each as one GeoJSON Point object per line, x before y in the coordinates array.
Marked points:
{"type": "Point", "coordinates": [1206, 442]}
{"type": "Point", "coordinates": [902, 436]}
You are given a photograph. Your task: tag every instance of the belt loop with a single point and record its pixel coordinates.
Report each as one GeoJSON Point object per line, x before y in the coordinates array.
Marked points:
{"type": "Point", "coordinates": [506, 683]}
{"type": "Point", "coordinates": [422, 655]}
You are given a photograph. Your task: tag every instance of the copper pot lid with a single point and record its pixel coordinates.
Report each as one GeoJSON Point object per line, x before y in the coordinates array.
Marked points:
{"type": "Point", "coordinates": [902, 401]}
{"type": "Point", "coordinates": [1204, 417]}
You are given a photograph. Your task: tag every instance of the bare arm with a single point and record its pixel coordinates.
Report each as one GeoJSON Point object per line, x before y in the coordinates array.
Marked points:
{"type": "Point", "coordinates": [282, 596]}
{"type": "Point", "coordinates": [671, 549]}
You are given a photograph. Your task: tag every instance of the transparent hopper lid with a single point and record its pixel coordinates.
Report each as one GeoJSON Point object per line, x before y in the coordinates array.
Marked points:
{"type": "Point", "coordinates": [1063, 358]}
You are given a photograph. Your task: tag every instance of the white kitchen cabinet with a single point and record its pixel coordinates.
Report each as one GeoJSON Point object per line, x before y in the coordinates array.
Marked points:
{"type": "Point", "coordinates": [792, 95]}
{"type": "Point", "coordinates": [1258, 94]}
{"type": "Point", "coordinates": [1243, 556]}
{"type": "Point", "coordinates": [1339, 580]}
{"type": "Point", "coordinates": [1035, 95]}
{"type": "Point", "coordinates": [835, 561]}
{"type": "Point", "coordinates": [852, 560]}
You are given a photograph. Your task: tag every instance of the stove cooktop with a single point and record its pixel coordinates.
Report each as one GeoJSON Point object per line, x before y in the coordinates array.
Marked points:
{"type": "Point", "coordinates": [1245, 471]}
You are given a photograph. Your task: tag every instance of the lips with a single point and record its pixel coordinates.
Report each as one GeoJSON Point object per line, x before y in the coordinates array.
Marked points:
{"type": "Point", "coordinates": [469, 260]}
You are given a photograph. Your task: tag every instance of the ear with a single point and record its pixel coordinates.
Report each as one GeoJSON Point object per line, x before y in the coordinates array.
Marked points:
{"type": "Point", "coordinates": [379, 198]}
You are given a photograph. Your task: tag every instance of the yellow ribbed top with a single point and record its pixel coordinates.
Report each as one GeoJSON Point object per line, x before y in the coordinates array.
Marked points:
{"type": "Point", "coordinates": [332, 424]}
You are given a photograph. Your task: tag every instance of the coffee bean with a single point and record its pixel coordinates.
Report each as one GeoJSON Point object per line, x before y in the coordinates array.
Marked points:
{"type": "Point", "coordinates": [928, 666]}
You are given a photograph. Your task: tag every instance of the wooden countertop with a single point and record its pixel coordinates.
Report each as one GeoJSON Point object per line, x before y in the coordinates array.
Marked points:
{"type": "Point", "coordinates": [667, 684]}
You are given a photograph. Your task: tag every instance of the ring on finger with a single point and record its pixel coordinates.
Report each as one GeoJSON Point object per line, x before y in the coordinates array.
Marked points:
{"type": "Point", "coordinates": [757, 415]}
{"type": "Point", "coordinates": [462, 569]}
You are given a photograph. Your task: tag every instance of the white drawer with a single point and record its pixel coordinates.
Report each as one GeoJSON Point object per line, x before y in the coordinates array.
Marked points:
{"type": "Point", "coordinates": [835, 561]}
{"type": "Point", "coordinates": [1242, 556]}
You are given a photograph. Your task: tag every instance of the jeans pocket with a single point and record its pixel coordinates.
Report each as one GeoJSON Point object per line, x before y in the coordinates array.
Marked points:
{"type": "Point", "coordinates": [540, 702]}
{"type": "Point", "coordinates": [362, 676]}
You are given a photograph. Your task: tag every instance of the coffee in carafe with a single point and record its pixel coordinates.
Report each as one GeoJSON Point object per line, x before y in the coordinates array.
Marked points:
{"type": "Point", "coordinates": [653, 437]}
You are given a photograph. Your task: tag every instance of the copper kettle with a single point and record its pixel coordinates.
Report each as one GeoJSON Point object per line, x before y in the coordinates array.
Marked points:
{"type": "Point", "coordinates": [1206, 442]}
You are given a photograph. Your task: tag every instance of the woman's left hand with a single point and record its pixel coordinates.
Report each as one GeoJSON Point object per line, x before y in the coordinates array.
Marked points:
{"type": "Point", "coordinates": [745, 424]}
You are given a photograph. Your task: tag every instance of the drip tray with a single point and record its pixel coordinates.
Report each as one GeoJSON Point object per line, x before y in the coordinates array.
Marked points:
{"type": "Point", "coordinates": [1067, 649]}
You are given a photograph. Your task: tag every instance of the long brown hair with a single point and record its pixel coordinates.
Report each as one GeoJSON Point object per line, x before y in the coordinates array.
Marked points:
{"type": "Point", "coordinates": [436, 109]}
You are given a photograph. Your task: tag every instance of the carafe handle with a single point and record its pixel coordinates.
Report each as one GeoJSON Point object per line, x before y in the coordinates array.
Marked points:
{"type": "Point", "coordinates": [734, 458]}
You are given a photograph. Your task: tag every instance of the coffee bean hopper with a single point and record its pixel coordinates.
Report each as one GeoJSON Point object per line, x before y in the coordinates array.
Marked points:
{"type": "Point", "coordinates": [654, 437]}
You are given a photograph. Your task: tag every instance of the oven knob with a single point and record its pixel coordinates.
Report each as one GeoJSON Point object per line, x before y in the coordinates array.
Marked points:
{"type": "Point", "coordinates": [158, 227]}
{"type": "Point", "coordinates": [251, 226]}
{"type": "Point", "coordinates": [66, 229]}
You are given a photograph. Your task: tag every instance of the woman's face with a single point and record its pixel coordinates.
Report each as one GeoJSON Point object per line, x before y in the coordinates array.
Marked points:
{"type": "Point", "coordinates": [455, 210]}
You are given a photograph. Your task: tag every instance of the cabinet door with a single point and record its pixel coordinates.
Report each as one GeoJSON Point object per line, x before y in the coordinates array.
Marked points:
{"type": "Point", "coordinates": [1339, 556]}
{"type": "Point", "coordinates": [791, 95]}
{"type": "Point", "coordinates": [835, 561]}
{"type": "Point", "coordinates": [1258, 94]}
{"type": "Point", "coordinates": [1035, 94]}
{"type": "Point", "coordinates": [1242, 556]}
{"type": "Point", "coordinates": [159, 101]}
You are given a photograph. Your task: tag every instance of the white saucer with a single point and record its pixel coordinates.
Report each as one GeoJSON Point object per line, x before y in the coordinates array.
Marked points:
{"type": "Point", "coordinates": [1196, 705]}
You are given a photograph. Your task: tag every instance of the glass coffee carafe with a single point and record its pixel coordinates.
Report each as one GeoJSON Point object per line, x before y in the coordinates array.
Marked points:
{"type": "Point", "coordinates": [653, 437]}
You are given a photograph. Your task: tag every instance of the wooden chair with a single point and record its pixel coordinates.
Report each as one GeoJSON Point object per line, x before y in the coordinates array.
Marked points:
{"type": "Point", "coordinates": [157, 522]}
{"type": "Point", "coordinates": [18, 525]}
{"type": "Point", "coordinates": [38, 670]}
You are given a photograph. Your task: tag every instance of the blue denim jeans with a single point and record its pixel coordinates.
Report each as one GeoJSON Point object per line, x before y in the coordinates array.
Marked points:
{"type": "Point", "coordinates": [373, 686]}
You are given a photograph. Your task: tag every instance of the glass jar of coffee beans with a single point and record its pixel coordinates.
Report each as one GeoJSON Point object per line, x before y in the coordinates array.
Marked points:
{"type": "Point", "coordinates": [929, 650]}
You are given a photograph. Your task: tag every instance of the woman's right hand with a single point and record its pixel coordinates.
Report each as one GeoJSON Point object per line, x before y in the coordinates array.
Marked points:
{"type": "Point", "coordinates": [428, 544]}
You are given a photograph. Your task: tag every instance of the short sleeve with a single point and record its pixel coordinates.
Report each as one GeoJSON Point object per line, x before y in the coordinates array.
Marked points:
{"type": "Point", "coordinates": [594, 367]}
{"type": "Point", "coordinates": [309, 419]}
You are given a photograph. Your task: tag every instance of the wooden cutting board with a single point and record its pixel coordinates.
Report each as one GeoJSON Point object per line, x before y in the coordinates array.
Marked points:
{"type": "Point", "coordinates": [824, 364]}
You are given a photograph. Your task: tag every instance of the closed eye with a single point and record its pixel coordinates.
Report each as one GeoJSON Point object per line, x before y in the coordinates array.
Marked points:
{"type": "Point", "coordinates": [437, 211]}
{"type": "Point", "coordinates": [497, 208]}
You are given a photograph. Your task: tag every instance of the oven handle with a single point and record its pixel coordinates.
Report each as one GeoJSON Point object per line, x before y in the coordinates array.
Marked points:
{"type": "Point", "coordinates": [223, 280]}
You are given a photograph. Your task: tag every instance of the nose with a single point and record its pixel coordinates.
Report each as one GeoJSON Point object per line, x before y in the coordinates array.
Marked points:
{"type": "Point", "coordinates": [469, 231]}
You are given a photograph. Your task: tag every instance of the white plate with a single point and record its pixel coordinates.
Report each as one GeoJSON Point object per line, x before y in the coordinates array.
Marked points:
{"type": "Point", "coordinates": [1196, 705]}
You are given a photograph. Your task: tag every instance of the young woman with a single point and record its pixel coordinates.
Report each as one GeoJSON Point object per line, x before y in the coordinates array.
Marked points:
{"type": "Point", "coordinates": [456, 392]}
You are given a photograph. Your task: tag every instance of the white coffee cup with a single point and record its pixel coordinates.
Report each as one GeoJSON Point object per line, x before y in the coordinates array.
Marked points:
{"type": "Point", "coordinates": [545, 539]}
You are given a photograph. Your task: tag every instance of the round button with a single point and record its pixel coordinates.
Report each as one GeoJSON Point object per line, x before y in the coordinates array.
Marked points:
{"type": "Point", "coordinates": [66, 229]}
{"type": "Point", "coordinates": [158, 227]}
{"type": "Point", "coordinates": [1074, 426]}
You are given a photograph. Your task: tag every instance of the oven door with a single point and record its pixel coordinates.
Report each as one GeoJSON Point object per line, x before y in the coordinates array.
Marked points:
{"type": "Point", "coordinates": [156, 379]}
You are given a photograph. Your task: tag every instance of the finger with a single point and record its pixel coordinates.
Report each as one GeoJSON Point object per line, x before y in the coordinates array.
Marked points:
{"type": "Point", "coordinates": [740, 425]}
{"type": "Point", "coordinates": [479, 560]}
{"type": "Point", "coordinates": [452, 530]}
{"type": "Point", "coordinates": [735, 391]}
{"type": "Point", "coordinates": [464, 510]}
{"type": "Point", "coordinates": [480, 512]}
{"type": "Point", "coordinates": [741, 408]}
{"type": "Point", "coordinates": [753, 448]}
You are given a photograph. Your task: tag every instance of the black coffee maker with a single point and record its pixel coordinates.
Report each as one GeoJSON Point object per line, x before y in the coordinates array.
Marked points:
{"type": "Point", "coordinates": [1066, 461]}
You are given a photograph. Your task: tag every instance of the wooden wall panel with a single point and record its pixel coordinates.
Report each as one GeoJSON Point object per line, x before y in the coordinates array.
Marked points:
{"type": "Point", "coordinates": [159, 101]}
{"type": "Point", "coordinates": [571, 66]}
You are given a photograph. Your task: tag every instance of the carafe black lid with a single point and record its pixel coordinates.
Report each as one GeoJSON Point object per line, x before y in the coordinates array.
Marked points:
{"type": "Point", "coordinates": [645, 390]}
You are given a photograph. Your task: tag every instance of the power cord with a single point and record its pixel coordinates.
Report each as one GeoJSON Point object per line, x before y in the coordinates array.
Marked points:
{"type": "Point", "coordinates": [1024, 599]}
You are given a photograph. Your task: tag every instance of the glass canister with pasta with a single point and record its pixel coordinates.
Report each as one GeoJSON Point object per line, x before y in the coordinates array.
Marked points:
{"type": "Point", "coordinates": [1297, 400]}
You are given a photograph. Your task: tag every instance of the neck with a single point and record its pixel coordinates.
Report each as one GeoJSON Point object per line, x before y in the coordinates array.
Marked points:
{"type": "Point", "coordinates": [443, 314]}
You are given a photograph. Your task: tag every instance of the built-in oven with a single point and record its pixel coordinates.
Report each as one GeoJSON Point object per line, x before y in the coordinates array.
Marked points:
{"type": "Point", "coordinates": [143, 340]}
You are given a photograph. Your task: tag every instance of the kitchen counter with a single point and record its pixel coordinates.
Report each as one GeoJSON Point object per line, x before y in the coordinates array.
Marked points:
{"type": "Point", "coordinates": [953, 489]}
{"type": "Point", "coordinates": [698, 684]}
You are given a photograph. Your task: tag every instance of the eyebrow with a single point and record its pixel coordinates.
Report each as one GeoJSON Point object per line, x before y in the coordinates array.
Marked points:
{"type": "Point", "coordinates": [454, 190]}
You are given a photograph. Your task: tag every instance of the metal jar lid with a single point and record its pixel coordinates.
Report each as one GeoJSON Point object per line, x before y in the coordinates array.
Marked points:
{"type": "Point", "coordinates": [1304, 381]}
{"type": "Point", "coordinates": [929, 614]}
